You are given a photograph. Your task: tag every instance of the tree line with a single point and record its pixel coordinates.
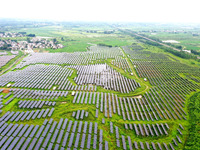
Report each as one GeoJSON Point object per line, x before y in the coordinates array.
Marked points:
{"type": "Point", "coordinates": [193, 140]}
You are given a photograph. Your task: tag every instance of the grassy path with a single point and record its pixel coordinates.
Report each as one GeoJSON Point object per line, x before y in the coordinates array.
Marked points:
{"type": "Point", "coordinates": [17, 61]}
{"type": "Point", "coordinates": [141, 81]}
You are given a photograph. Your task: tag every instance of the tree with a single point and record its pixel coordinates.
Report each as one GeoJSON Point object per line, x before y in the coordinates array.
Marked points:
{"type": "Point", "coordinates": [54, 40]}
{"type": "Point", "coordinates": [193, 140]}
{"type": "Point", "coordinates": [22, 32]}
{"type": "Point", "coordinates": [102, 44]}
{"type": "Point", "coordinates": [195, 52]}
{"type": "Point", "coordinates": [31, 35]}
{"type": "Point", "coordinates": [28, 40]}
{"type": "Point", "coordinates": [6, 47]}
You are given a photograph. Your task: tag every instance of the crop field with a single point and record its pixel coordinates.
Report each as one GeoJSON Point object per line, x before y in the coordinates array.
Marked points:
{"type": "Point", "coordinates": [78, 39]}
{"type": "Point", "coordinates": [120, 95]}
{"type": "Point", "coordinates": [187, 40]}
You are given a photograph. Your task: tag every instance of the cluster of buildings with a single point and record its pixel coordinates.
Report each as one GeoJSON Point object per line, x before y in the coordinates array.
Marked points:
{"type": "Point", "coordinates": [29, 44]}
{"type": "Point", "coordinates": [3, 53]}
{"type": "Point", "coordinates": [10, 34]}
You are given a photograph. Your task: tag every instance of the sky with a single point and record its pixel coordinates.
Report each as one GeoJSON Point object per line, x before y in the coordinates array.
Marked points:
{"type": "Point", "coordinates": [186, 11]}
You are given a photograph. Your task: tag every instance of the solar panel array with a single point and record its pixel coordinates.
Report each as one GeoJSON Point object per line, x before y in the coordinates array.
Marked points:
{"type": "Point", "coordinates": [5, 59]}
{"type": "Point", "coordinates": [38, 94]}
{"type": "Point", "coordinates": [63, 90]}
{"type": "Point", "coordinates": [77, 58]}
{"type": "Point", "coordinates": [47, 76]}
{"type": "Point", "coordinates": [52, 135]}
{"type": "Point", "coordinates": [105, 76]}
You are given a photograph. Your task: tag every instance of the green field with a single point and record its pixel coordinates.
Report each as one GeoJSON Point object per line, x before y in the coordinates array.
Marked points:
{"type": "Point", "coordinates": [187, 40]}
{"type": "Point", "coordinates": [77, 39]}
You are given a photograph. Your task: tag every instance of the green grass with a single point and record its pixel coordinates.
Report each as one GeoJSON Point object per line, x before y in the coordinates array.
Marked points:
{"type": "Point", "coordinates": [47, 31]}
{"type": "Point", "coordinates": [77, 40]}
{"type": "Point", "coordinates": [193, 139]}
{"type": "Point", "coordinates": [14, 38]}
{"type": "Point", "coordinates": [81, 42]}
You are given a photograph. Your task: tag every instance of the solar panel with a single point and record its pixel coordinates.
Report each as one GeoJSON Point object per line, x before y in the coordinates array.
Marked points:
{"type": "Point", "coordinates": [65, 139]}
{"type": "Point", "coordinates": [60, 123]}
{"type": "Point", "coordinates": [54, 136]}
{"type": "Point", "coordinates": [64, 124]}
{"type": "Point", "coordinates": [29, 130]}
{"type": "Point", "coordinates": [89, 141]}
{"type": "Point", "coordinates": [14, 142]}
{"type": "Point", "coordinates": [71, 140]}
{"type": "Point", "coordinates": [34, 131]}
{"type": "Point", "coordinates": [23, 130]}
{"type": "Point", "coordinates": [60, 136]}
{"type": "Point", "coordinates": [47, 139]}
{"type": "Point", "coordinates": [69, 126]}
{"type": "Point", "coordinates": [20, 143]}
{"type": "Point", "coordinates": [74, 127]}
{"type": "Point", "coordinates": [77, 140]}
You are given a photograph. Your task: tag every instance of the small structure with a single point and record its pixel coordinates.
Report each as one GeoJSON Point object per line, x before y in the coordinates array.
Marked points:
{"type": "Point", "coordinates": [8, 85]}
{"type": "Point", "coordinates": [73, 93]}
{"type": "Point", "coordinates": [103, 121]}
{"type": "Point", "coordinates": [54, 88]}
{"type": "Point", "coordinates": [188, 51]}
{"type": "Point", "coordinates": [131, 73]}
{"type": "Point", "coordinates": [145, 79]}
